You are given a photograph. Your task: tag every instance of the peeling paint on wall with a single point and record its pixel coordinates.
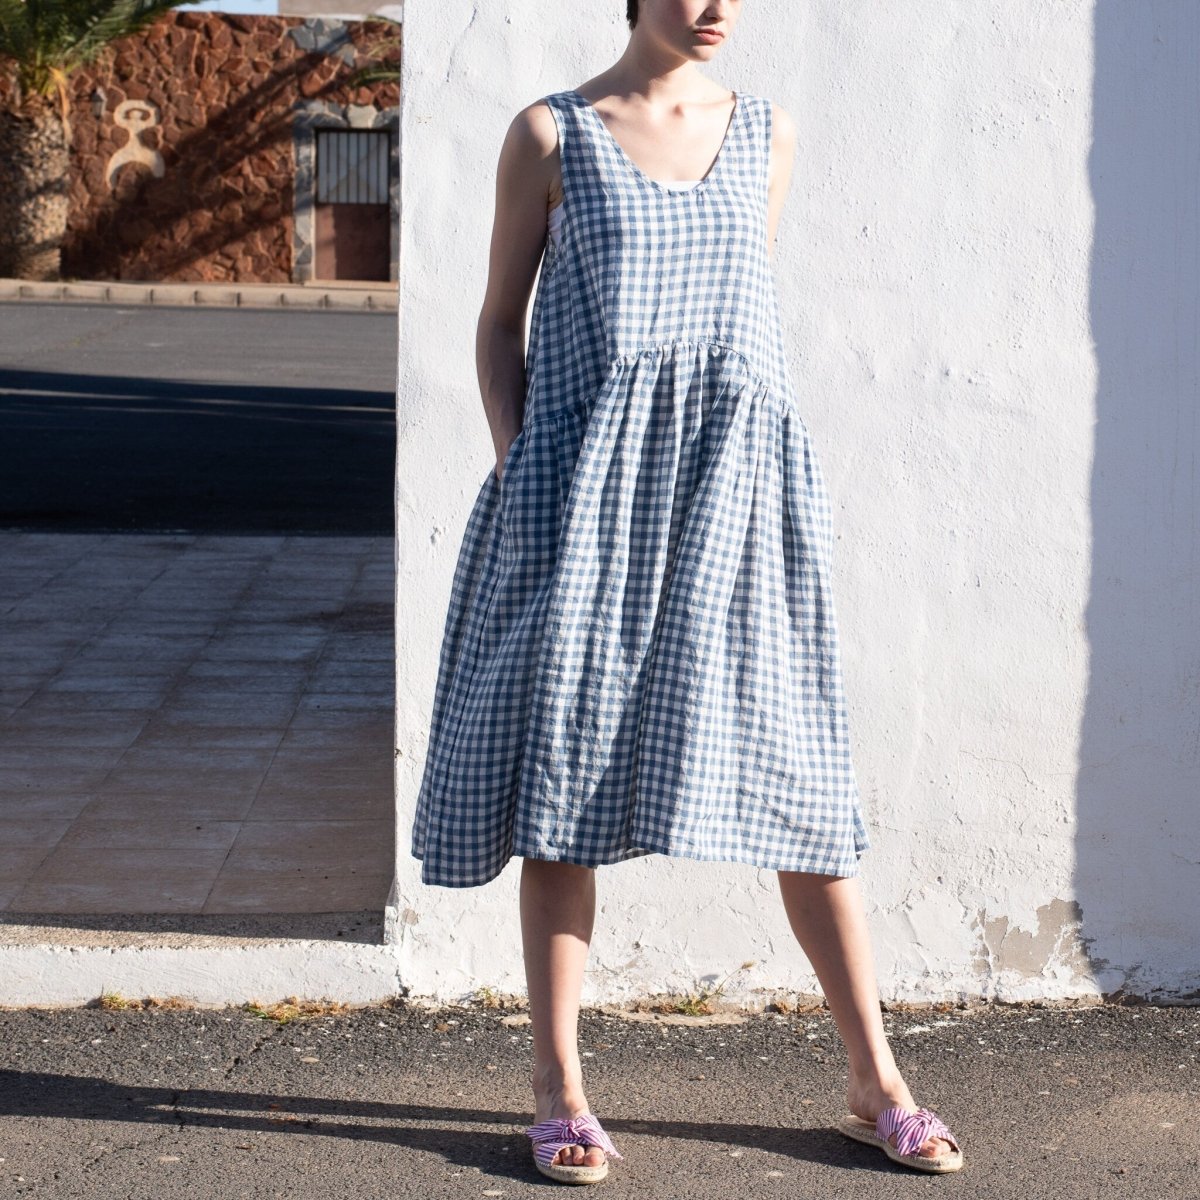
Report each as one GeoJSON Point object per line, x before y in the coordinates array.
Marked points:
{"type": "Point", "coordinates": [1053, 945]}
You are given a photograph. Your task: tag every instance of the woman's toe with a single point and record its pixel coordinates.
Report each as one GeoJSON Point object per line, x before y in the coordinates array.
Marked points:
{"type": "Point", "coordinates": [579, 1156]}
{"type": "Point", "coordinates": [931, 1147]}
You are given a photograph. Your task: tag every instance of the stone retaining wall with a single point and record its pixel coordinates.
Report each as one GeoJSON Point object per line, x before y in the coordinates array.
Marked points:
{"type": "Point", "coordinates": [185, 140]}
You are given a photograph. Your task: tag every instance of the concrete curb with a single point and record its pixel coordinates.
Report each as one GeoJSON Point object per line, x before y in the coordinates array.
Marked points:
{"type": "Point", "coordinates": [343, 297]}
{"type": "Point", "coordinates": [53, 961]}
{"type": "Point", "coordinates": [58, 976]}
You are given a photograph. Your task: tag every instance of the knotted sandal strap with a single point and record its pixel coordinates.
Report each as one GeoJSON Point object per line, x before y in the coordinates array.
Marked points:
{"type": "Point", "coordinates": [551, 1136]}
{"type": "Point", "coordinates": [912, 1129]}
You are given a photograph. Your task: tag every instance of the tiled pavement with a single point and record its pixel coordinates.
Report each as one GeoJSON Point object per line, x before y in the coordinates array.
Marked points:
{"type": "Point", "coordinates": [195, 724]}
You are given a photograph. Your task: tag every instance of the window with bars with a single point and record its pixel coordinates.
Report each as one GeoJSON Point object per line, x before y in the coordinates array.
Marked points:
{"type": "Point", "coordinates": [352, 166]}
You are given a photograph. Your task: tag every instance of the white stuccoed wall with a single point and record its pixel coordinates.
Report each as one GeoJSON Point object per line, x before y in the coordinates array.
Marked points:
{"type": "Point", "coordinates": [988, 269]}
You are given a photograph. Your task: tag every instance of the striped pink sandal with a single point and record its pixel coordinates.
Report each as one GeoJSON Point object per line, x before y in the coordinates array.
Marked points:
{"type": "Point", "coordinates": [913, 1129]}
{"type": "Point", "coordinates": [549, 1137]}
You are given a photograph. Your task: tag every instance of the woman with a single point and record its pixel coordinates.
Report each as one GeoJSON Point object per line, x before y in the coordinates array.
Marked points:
{"type": "Point", "coordinates": [640, 654]}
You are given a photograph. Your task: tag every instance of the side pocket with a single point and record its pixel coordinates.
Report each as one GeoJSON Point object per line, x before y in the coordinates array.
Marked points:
{"type": "Point", "coordinates": [512, 459]}
{"type": "Point", "coordinates": [509, 455]}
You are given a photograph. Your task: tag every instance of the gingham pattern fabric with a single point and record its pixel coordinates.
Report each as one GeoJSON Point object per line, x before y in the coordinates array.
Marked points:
{"type": "Point", "coordinates": [640, 653]}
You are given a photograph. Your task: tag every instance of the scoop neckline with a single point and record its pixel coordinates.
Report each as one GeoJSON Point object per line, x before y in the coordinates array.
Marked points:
{"type": "Point", "coordinates": [658, 184]}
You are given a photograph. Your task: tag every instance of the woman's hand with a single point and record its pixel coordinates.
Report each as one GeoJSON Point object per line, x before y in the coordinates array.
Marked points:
{"type": "Point", "coordinates": [499, 468]}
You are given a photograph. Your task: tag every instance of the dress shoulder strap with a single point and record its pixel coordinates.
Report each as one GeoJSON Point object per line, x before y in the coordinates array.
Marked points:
{"type": "Point", "coordinates": [571, 133]}
{"type": "Point", "coordinates": [757, 124]}
{"type": "Point", "coordinates": [583, 155]}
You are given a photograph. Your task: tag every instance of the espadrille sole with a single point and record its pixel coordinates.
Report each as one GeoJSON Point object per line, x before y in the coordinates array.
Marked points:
{"type": "Point", "coordinates": [582, 1173]}
{"type": "Point", "coordinates": [864, 1131]}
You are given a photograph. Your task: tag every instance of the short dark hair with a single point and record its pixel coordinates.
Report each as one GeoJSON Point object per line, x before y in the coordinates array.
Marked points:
{"type": "Point", "coordinates": [631, 13]}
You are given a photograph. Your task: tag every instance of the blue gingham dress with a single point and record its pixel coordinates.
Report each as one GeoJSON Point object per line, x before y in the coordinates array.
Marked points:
{"type": "Point", "coordinates": [640, 654]}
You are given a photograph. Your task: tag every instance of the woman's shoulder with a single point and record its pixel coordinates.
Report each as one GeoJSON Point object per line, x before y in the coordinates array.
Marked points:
{"type": "Point", "coordinates": [781, 123]}
{"type": "Point", "coordinates": [770, 113]}
{"type": "Point", "coordinates": [534, 127]}
{"type": "Point", "coordinates": [762, 101]}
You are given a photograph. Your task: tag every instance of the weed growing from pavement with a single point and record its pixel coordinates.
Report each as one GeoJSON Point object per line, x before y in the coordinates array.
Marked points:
{"type": "Point", "coordinates": [490, 998]}
{"type": "Point", "coordinates": [284, 1012]}
{"type": "Point", "coordinates": [115, 1002]}
{"type": "Point", "coordinates": [693, 1004]}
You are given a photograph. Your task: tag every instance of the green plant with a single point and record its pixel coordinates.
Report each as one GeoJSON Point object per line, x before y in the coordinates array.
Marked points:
{"type": "Point", "coordinates": [387, 45]}
{"type": "Point", "coordinates": [42, 44]}
{"type": "Point", "coordinates": [488, 997]}
{"type": "Point", "coordinates": [699, 1003]}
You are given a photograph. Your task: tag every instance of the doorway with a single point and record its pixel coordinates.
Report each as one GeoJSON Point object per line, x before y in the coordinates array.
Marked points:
{"type": "Point", "coordinates": [352, 215]}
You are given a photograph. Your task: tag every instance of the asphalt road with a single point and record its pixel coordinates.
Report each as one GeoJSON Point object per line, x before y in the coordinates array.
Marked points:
{"type": "Point", "coordinates": [144, 419]}
{"type": "Point", "coordinates": [380, 1103]}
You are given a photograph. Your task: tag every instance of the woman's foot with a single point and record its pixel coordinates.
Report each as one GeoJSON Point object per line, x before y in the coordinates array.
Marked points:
{"type": "Point", "coordinates": [867, 1098]}
{"type": "Point", "coordinates": [562, 1099]}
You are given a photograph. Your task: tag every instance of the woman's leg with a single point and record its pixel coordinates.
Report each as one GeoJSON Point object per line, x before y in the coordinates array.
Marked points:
{"type": "Point", "coordinates": [827, 916]}
{"type": "Point", "coordinates": [558, 909]}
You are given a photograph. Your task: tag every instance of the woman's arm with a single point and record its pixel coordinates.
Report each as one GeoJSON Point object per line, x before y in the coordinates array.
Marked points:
{"type": "Point", "coordinates": [783, 152]}
{"type": "Point", "coordinates": [527, 166]}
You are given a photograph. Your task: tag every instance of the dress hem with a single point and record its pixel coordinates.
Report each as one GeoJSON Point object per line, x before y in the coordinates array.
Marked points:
{"type": "Point", "coordinates": [842, 870]}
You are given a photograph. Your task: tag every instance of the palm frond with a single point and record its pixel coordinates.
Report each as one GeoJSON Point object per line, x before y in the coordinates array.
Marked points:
{"type": "Point", "coordinates": [119, 19]}
{"type": "Point", "coordinates": [379, 72]}
{"type": "Point", "coordinates": [366, 75]}
{"type": "Point", "coordinates": [15, 34]}
{"type": "Point", "coordinates": [39, 37]}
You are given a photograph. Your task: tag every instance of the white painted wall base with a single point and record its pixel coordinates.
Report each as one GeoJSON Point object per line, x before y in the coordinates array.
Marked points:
{"type": "Point", "coordinates": [50, 975]}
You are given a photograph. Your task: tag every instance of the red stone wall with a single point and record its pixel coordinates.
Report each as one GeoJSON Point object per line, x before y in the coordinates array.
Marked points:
{"type": "Point", "coordinates": [224, 85]}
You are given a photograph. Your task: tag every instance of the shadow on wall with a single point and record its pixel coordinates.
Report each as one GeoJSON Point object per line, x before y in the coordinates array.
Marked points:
{"type": "Point", "coordinates": [196, 193]}
{"type": "Point", "coordinates": [1137, 877]}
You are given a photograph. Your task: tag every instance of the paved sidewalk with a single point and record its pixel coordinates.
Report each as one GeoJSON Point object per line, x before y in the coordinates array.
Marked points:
{"type": "Point", "coordinates": [382, 1102]}
{"type": "Point", "coordinates": [365, 297]}
{"type": "Point", "coordinates": [195, 724]}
